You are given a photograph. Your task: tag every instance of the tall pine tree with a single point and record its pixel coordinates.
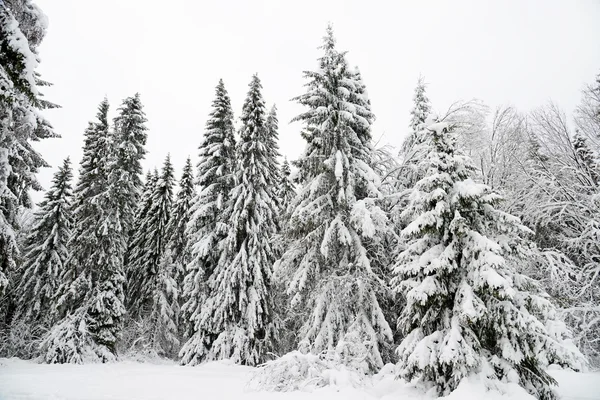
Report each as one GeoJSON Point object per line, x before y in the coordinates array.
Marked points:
{"type": "Point", "coordinates": [153, 230]}
{"type": "Point", "coordinates": [22, 27]}
{"type": "Point", "coordinates": [236, 319]}
{"type": "Point", "coordinates": [332, 276]}
{"type": "Point", "coordinates": [207, 226]}
{"type": "Point", "coordinates": [136, 249]}
{"type": "Point", "coordinates": [46, 251]}
{"type": "Point", "coordinates": [130, 139]}
{"type": "Point", "coordinates": [286, 187]}
{"type": "Point", "coordinates": [176, 231]}
{"type": "Point", "coordinates": [468, 310]}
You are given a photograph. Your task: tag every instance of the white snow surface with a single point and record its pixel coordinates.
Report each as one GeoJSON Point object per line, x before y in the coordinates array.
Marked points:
{"type": "Point", "coordinates": [127, 380]}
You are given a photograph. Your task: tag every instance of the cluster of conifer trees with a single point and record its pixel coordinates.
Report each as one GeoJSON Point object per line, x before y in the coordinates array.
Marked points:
{"type": "Point", "coordinates": [358, 256]}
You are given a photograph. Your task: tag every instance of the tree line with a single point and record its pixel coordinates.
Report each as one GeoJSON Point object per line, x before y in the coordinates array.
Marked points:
{"type": "Point", "coordinates": [472, 250]}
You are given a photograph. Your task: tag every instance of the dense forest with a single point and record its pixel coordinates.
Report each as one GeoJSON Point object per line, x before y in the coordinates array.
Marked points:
{"type": "Point", "coordinates": [472, 249]}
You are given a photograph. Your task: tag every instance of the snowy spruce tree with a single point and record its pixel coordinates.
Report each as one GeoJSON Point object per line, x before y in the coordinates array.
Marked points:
{"type": "Point", "coordinates": [235, 321]}
{"type": "Point", "coordinates": [46, 252]}
{"type": "Point", "coordinates": [180, 216]}
{"type": "Point", "coordinates": [333, 277]}
{"type": "Point", "coordinates": [92, 180]}
{"type": "Point", "coordinates": [137, 246]}
{"type": "Point", "coordinates": [286, 188]}
{"type": "Point", "coordinates": [207, 226]}
{"type": "Point", "coordinates": [468, 310]}
{"type": "Point", "coordinates": [271, 142]}
{"type": "Point", "coordinates": [410, 147]}
{"type": "Point", "coordinates": [150, 240]}
{"type": "Point", "coordinates": [130, 138]}
{"type": "Point", "coordinates": [22, 28]}
{"type": "Point", "coordinates": [163, 319]}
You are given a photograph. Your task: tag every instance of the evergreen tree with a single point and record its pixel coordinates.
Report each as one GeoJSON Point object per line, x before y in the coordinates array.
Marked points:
{"type": "Point", "coordinates": [130, 139]}
{"type": "Point", "coordinates": [586, 159]}
{"type": "Point", "coordinates": [207, 226]}
{"type": "Point", "coordinates": [87, 214]}
{"type": "Point", "coordinates": [332, 275]}
{"type": "Point", "coordinates": [180, 216]}
{"type": "Point", "coordinates": [138, 240]}
{"type": "Point", "coordinates": [271, 142]}
{"type": "Point", "coordinates": [163, 337]}
{"type": "Point", "coordinates": [46, 251]}
{"type": "Point", "coordinates": [22, 27]}
{"type": "Point", "coordinates": [468, 310]}
{"type": "Point", "coordinates": [236, 319]}
{"type": "Point", "coordinates": [419, 114]}
{"type": "Point", "coordinates": [286, 188]}
{"type": "Point", "coordinates": [154, 229]}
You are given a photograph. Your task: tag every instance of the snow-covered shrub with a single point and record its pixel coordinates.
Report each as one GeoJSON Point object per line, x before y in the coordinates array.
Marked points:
{"type": "Point", "coordinates": [298, 371]}
{"type": "Point", "coordinates": [70, 342]}
{"type": "Point", "coordinates": [21, 340]}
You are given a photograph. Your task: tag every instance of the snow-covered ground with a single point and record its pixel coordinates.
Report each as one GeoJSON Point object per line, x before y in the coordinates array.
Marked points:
{"type": "Point", "coordinates": [20, 380]}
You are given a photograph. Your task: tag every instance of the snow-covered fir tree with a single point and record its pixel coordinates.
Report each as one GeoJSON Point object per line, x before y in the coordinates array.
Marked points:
{"type": "Point", "coordinates": [163, 337]}
{"type": "Point", "coordinates": [469, 311]}
{"type": "Point", "coordinates": [130, 138]}
{"type": "Point", "coordinates": [153, 234]}
{"type": "Point", "coordinates": [331, 273]}
{"type": "Point", "coordinates": [137, 242]}
{"type": "Point", "coordinates": [587, 159]}
{"type": "Point", "coordinates": [408, 152]}
{"type": "Point", "coordinates": [271, 142]}
{"type": "Point", "coordinates": [180, 216]}
{"type": "Point", "coordinates": [207, 226]}
{"type": "Point", "coordinates": [236, 319]}
{"type": "Point", "coordinates": [286, 188]}
{"type": "Point", "coordinates": [92, 181]}
{"type": "Point", "coordinates": [22, 27]}
{"type": "Point", "coordinates": [46, 251]}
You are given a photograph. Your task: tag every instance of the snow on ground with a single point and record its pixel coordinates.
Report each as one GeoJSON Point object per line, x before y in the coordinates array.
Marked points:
{"type": "Point", "coordinates": [24, 380]}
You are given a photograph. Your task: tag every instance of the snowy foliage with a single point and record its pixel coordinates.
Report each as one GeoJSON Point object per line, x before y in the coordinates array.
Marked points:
{"type": "Point", "coordinates": [151, 239]}
{"type": "Point", "coordinates": [180, 217]}
{"type": "Point", "coordinates": [236, 319]}
{"type": "Point", "coordinates": [91, 295]}
{"type": "Point", "coordinates": [331, 274]}
{"type": "Point", "coordinates": [129, 140]}
{"type": "Point", "coordinates": [468, 308]}
{"type": "Point", "coordinates": [22, 27]}
{"type": "Point", "coordinates": [46, 251]}
{"type": "Point", "coordinates": [296, 371]}
{"type": "Point", "coordinates": [207, 227]}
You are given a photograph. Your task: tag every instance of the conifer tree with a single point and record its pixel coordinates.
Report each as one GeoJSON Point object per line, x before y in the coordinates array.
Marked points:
{"type": "Point", "coordinates": [286, 187]}
{"type": "Point", "coordinates": [585, 157]}
{"type": "Point", "coordinates": [236, 319]}
{"type": "Point", "coordinates": [214, 180]}
{"type": "Point", "coordinates": [272, 144]}
{"type": "Point", "coordinates": [176, 231]}
{"type": "Point", "coordinates": [130, 138]}
{"type": "Point", "coordinates": [163, 338]}
{"type": "Point", "coordinates": [419, 113]}
{"type": "Point", "coordinates": [46, 251]}
{"type": "Point", "coordinates": [138, 239]}
{"type": "Point", "coordinates": [153, 230]}
{"type": "Point", "coordinates": [21, 122]}
{"type": "Point", "coordinates": [468, 310]}
{"type": "Point", "coordinates": [87, 214]}
{"type": "Point", "coordinates": [332, 275]}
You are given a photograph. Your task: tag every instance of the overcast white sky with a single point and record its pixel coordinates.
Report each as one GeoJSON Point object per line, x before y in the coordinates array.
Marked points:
{"type": "Point", "coordinates": [174, 52]}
